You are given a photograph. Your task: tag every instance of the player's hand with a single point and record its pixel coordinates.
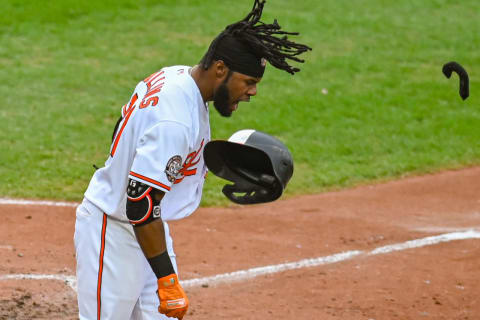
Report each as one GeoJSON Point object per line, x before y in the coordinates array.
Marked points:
{"type": "Point", "coordinates": [173, 300]}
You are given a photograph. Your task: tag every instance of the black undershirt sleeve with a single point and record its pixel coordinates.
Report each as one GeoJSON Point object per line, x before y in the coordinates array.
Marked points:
{"type": "Point", "coordinates": [161, 265]}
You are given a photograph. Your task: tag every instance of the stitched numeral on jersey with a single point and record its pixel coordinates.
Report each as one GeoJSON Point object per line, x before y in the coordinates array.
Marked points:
{"type": "Point", "coordinates": [127, 113]}
{"type": "Point", "coordinates": [154, 85]}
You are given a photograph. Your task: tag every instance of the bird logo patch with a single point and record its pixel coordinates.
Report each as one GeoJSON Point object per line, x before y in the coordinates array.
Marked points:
{"type": "Point", "coordinates": [174, 165]}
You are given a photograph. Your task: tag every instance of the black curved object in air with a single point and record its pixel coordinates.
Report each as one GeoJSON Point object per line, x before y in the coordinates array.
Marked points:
{"type": "Point", "coordinates": [447, 70]}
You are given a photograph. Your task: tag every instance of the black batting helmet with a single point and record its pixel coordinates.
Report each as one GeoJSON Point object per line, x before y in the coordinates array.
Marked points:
{"type": "Point", "coordinates": [258, 164]}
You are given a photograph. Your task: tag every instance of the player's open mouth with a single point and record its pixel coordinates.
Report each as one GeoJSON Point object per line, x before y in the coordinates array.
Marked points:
{"type": "Point", "coordinates": [235, 104]}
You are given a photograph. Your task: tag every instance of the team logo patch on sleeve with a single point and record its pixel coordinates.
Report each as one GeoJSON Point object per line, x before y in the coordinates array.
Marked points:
{"type": "Point", "coordinates": [174, 165]}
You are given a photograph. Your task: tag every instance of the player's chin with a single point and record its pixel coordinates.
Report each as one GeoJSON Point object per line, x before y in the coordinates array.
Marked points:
{"type": "Point", "coordinates": [223, 109]}
{"type": "Point", "coordinates": [225, 112]}
{"type": "Point", "coordinates": [229, 110]}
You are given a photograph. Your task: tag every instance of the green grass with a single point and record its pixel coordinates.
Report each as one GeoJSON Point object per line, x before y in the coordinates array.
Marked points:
{"type": "Point", "coordinates": [68, 66]}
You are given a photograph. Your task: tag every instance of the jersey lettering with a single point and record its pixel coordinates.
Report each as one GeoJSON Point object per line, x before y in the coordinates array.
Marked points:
{"type": "Point", "coordinates": [151, 101]}
{"type": "Point", "coordinates": [153, 79]}
{"type": "Point", "coordinates": [154, 85]}
{"type": "Point", "coordinates": [191, 160]}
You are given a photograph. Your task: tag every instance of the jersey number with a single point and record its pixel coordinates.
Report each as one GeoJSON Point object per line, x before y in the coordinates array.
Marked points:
{"type": "Point", "coordinates": [154, 85]}
{"type": "Point", "coordinates": [127, 113]}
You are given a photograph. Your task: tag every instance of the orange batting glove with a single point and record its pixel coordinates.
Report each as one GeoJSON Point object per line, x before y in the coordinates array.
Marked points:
{"type": "Point", "coordinates": [173, 300]}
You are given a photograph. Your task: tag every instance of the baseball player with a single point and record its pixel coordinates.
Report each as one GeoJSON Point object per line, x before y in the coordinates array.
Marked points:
{"type": "Point", "coordinates": [155, 173]}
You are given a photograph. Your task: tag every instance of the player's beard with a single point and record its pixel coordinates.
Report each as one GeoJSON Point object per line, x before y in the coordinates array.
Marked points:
{"type": "Point", "coordinates": [221, 99]}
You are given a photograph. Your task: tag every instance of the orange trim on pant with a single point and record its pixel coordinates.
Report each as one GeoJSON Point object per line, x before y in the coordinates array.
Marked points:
{"type": "Point", "coordinates": [100, 267]}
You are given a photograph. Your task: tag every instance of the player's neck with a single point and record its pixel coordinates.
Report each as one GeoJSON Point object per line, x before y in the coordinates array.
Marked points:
{"type": "Point", "coordinates": [201, 78]}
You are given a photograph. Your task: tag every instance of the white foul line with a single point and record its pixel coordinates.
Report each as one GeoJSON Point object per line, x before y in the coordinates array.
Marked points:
{"type": "Point", "coordinates": [469, 234]}
{"type": "Point", "coordinates": [22, 202]}
{"type": "Point", "coordinates": [69, 280]}
{"type": "Point", "coordinates": [255, 272]}
{"type": "Point", "coordinates": [305, 263]}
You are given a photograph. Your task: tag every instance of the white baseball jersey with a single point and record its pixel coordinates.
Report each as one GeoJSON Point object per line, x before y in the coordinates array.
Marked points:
{"type": "Point", "coordinates": [160, 143]}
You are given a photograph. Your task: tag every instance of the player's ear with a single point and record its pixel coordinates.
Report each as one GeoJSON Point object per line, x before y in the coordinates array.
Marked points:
{"type": "Point", "coordinates": [221, 70]}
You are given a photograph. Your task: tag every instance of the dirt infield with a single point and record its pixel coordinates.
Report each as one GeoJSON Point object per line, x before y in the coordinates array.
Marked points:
{"type": "Point", "coordinates": [434, 281]}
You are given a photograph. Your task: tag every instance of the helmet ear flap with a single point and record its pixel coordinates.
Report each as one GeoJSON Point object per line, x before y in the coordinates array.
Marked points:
{"type": "Point", "coordinates": [255, 188]}
{"type": "Point", "coordinates": [250, 195]}
{"type": "Point", "coordinates": [230, 191]}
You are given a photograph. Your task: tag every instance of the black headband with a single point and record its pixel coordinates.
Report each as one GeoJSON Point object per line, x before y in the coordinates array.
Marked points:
{"type": "Point", "coordinates": [239, 57]}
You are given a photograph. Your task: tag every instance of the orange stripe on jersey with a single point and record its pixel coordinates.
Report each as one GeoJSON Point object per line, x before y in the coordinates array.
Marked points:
{"type": "Point", "coordinates": [100, 267]}
{"type": "Point", "coordinates": [125, 120]}
{"type": "Point", "coordinates": [150, 180]}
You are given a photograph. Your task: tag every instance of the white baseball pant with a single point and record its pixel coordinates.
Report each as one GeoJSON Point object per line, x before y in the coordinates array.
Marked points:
{"type": "Point", "coordinates": [115, 281]}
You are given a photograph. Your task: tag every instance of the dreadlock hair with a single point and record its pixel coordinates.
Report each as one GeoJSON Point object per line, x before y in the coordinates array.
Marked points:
{"type": "Point", "coordinates": [266, 41]}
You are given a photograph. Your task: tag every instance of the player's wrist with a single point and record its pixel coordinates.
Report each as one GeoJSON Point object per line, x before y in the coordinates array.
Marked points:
{"type": "Point", "coordinates": [161, 265]}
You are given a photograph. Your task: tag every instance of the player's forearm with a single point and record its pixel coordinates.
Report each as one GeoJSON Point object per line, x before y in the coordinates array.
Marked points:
{"type": "Point", "coordinates": [142, 201]}
{"type": "Point", "coordinates": [151, 238]}
{"type": "Point", "coordinates": [150, 233]}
